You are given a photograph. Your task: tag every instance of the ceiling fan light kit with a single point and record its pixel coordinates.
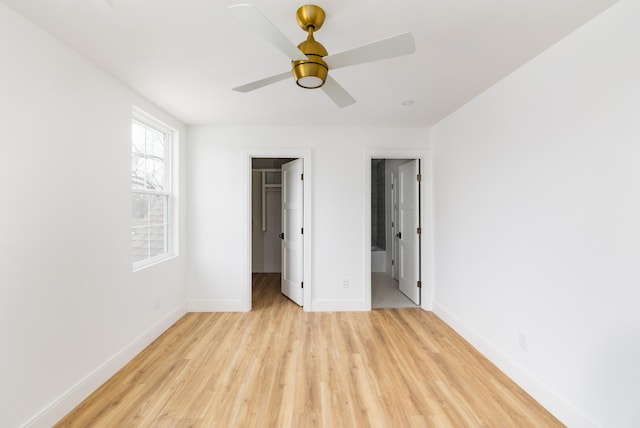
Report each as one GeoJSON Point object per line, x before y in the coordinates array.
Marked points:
{"type": "Point", "coordinates": [310, 74]}
{"type": "Point", "coordinates": [310, 61]}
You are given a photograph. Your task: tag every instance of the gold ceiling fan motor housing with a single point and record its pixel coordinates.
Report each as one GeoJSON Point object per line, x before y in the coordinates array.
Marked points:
{"type": "Point", "coordinates": [312, 72]}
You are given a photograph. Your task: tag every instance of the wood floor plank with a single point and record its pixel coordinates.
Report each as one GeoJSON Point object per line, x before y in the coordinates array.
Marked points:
{"type": "Point", "coordinates": [278, 366]}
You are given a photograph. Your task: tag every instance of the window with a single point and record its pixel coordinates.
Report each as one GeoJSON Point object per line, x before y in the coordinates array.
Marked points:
{"type": "Point", "coordinates": [151, 190]}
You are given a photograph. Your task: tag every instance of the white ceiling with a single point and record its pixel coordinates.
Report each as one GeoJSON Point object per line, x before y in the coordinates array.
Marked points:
{"type": "Point", "coordinates": [187, 55]}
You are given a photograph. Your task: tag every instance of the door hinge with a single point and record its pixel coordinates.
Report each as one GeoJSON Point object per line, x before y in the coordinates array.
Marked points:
{"type": "Point", "coordinates": [302, 284]}
{"type": "Point", "coordinates": [281, 236]}
{"type": "Point", "coordinates": [419, 231]}
{"type": "Point", "coordinates": [419, 177]}
{"type": "Point", "coordinates": [393, 224]}
{"type": "Point", "coordinates": [393, 262]}
{"type": "Point", "coordinates": [419, 284]}
{"type": "Point", "coordinates": [301, 176]}
{"type": "Point", "coordinates": [391, 186]}
{"type": "Point", "coordinates": [302, 230]}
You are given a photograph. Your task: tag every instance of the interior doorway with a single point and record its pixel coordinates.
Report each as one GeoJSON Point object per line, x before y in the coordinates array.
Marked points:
{"type": "Point", "coordinates": [277, 222]}
{"type": "Point", "coordinates": [395, 233]}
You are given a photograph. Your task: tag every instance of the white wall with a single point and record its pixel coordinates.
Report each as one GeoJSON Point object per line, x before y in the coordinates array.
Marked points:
{"type": "Point", "coordinates": [218, 174]}
{"type": "Point", "coordinates": [71, 310]}
{"type": "Point", "coordinates": [537, 222]}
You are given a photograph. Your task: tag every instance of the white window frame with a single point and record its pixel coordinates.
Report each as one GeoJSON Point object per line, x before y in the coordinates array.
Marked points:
{"type": "Point", "coordinates": [170, 135]}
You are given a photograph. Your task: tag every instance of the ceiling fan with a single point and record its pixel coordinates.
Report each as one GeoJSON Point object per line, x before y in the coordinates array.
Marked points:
{"type": "Point", "coordinates": [310, 61]}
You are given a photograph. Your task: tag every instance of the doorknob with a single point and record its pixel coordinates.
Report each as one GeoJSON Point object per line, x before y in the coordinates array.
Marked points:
{"type": "Point", "coordinates": [399, 235]}
{"type": "Point", "coordinates": [281, 236]}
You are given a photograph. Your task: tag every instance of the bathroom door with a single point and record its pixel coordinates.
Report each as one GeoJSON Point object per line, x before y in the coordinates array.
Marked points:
{"type": "Point", "coordinates": [408, 230]}
{"type": "Point", "coordinates": [394, 225]}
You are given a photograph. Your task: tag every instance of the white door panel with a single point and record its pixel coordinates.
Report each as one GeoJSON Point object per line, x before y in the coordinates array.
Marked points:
{"type": "Point", "coordinates": [408, 237]}
{"type": "Point", "coordinates": [292, 236]}
{"type": "Point", "coordinates": [394, 225]}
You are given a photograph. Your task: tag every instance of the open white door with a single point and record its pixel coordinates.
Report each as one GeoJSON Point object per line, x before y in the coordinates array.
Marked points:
{"type": "Point", "coordinates": [394, 225]}
{"type": "Point", "coordinates": [292, 233]}
{"type": "Point", "coordinates": [408, 230]}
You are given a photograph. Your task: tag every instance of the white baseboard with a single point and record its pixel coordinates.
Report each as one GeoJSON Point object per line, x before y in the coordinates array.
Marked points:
{"type": "Point", "coordinates": [322, 305]}
{"type": "Point", "coordinates": [222, 305]}
{"type": "Point", "coordinates": [551, 401]}
{"type": "Point", "coordinates": [74, 396]}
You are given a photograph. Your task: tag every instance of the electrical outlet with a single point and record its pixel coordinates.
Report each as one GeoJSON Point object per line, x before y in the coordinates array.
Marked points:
{"type": "Point", "coordinates": [522, 341]}
{"type": "Point", "coordinates": [345, 282]}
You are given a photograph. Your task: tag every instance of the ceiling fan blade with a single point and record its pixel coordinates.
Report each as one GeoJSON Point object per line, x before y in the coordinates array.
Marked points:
{"type": "Point", "coordinates": [402, 44]}
{"type": "Point", "coordinates": [262, 82]}
{"type": "Point", "coordinates": [253, 20]}
{"type": "Point", "coordinates": [337, 93]}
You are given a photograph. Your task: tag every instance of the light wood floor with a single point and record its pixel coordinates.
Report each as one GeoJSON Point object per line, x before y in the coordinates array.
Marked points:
{"type": "Point", "coordinates": [278, 366]}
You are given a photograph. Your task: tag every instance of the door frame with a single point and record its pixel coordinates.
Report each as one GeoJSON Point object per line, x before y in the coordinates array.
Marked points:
{"type": "Point", "coordinates": [426, 216]}
{"type": "Point", "coordinates": [305, 155]}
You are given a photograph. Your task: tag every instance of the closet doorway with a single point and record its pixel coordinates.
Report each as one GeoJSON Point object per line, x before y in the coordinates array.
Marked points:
{"type": "Point", "coordinates": [277, 222]}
